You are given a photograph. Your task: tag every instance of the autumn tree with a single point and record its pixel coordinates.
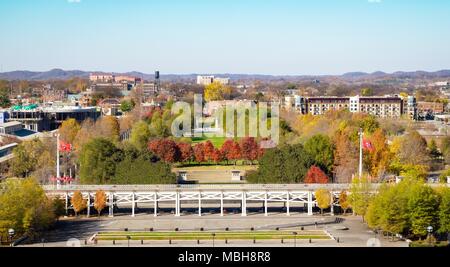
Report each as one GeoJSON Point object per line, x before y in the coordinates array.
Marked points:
{"type": "Point", "coordinates": [109, 127]}
{"type": "Point", "coordinates": [100, 201]}
{"type": "Point", "coordinates": [379, 158]}
{"type": "Point", "coordinates": [31, 157]}
{"type": "Point", "coordinates": [249, 149]}
{"type": "Point", "coordinates": [166, 149]}
{"type": "Point", "coordinates": [226, 148]}
{"type": "Point", "coordinates": [323, 198]}
{"type": "Point", "coordinates": [217, 91]}
{"type": "Point", "coordinates": [235, 152]}
{"type": "Point", "coordinates": [78, 202]}
{"type": "Point", "coordinates": [345, 158]}
{"type": "Point", "coordinates": [208, 150]}
{"type": "Point", "coordinates": [186, 152]}
{"type": "Point", "coordinates": [316, 176]}
{"type": "Point", "coordinates": [69, 130]}
{"type": "Point", "coordinates": [344, 201]}
{"type": "Point", "coordinates": [413, 150]}
{"type": "Point", "coordinates": [199, 153]}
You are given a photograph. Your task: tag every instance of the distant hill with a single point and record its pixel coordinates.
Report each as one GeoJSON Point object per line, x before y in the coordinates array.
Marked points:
{"type": "Point", "coordinates": [59, 74]}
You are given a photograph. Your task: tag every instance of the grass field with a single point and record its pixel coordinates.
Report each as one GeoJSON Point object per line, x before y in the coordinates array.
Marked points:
{"type": "Point", "coordinates": [256, 235]}
{"type": "Point", "coordinates": [216, 141]}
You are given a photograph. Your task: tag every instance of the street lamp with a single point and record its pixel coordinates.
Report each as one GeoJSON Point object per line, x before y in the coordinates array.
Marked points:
{"type": "Point", "coordinates": [214, 237]}
{"type": "Point", "coordinates": [430, 232]}
{"type": "Point", "coordinates": [11, 233]}
{"type": "Point", "coordinates": [295, 239]}
{"type": "Point", "coordinates": [128, 237]}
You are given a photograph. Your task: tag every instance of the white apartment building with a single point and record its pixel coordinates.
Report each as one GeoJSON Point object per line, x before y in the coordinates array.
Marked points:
{"type": "Point", "coordinates": [207, 80]}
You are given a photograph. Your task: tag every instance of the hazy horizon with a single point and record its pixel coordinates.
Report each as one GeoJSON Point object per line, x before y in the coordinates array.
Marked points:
{"type": "Point", "coordinates": [292, 38]}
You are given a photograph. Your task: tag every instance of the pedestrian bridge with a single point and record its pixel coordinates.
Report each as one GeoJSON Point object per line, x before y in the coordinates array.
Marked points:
{"type": "Point", "coordinates": [175, 195]}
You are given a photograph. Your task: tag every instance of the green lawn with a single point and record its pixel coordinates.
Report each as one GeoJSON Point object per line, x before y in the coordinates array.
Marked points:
{"type": "Point", "coordinates": [216, 141]}
{"type": "Point", "coordinates": [257, 235]}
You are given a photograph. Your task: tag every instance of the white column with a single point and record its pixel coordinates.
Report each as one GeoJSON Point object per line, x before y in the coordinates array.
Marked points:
{"type": "Point", "coordinates": [265, 205]}
{"type": "Point", "coordinates": [288, 204]}
{"type": "Point", "coordinates": [332, 204]}
{"type": "Point", "coordinates": [67, 203]}
{"type": "Point", "coordinates": [310, 203]}
{"type": "Point", "coordinates": [88, 204]}
{"type": "Point", "coordinates": [111, 204]}
{"type": "Point", "coordinates": [132, 205]}
{"type": "Point", "coordinates": [221, 204]}
{"type": "Point", "coordinates": [244, 203]}
{"type": "Point", "coordinates": [177, 205]}
{"type": "Point", "coordinates": [200, 204]}
{"type": "Point", "coordinates": [155, 203]}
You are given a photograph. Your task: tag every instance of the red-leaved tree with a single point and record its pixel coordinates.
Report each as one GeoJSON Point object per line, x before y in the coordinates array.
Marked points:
{"type": "Point", "coordinates": [235, 152]}
{"type": "Point", "coordinates": [225, 150]}
{"type": "Point", "coordinates": [316, 176]}
{"type": "Point", "coordinates": [166, 149]}
{"type": "Point", "coordinates": [217, 156]}
{"type": "Point", "coordinates": [208, 149]}
{"type": "Point", "coordinates": [249, 149]}
{"type": "Point", "coordinates": [186, 152]}
{"type": "Point", "coordinates": [199, 153]}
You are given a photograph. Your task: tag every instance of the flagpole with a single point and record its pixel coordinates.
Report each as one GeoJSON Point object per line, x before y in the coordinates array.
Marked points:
{"type": "Point", "coordinates": [361, 135]}
{"type": "Point", "coordinates": [58, 172]}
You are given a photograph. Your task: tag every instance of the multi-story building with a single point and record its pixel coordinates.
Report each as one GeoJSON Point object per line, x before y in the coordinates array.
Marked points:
{"type": "Point", "coordinates": [380, 106]}
{"type": "Point", "coordinates": [207, 80]}
{"type": "Point", "coordinates": [321, 105]}
{"type": "Point", "coordinates": [44, 119]}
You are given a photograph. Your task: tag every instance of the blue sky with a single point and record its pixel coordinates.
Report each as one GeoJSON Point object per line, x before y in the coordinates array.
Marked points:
{"type": "Point", "coordinates": [225, 36]}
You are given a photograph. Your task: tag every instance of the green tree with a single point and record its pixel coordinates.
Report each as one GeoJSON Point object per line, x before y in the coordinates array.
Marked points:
{"type": "Point", "coordinates": [127, 105]}
{"type": "Point", "coordinates": [423, 205]}
{"type": "Point", "coordinates": [360, 195]}
{"type": "Point", "coordinates": [288, 164]}
{"type": "Point", "coordinates": [142, 171]}
{"type": "Point", "coordinates": [444, 210]}
{"type": "Point", "coordinates": [321, 149]}
{"type": "Point", "coordinates": [24, 207]}
{"type": "Point", "coordinates": [30, 156]}
{"type": "Point", "coordinates": [5, 102]}
{"type": "Point", "coordinates": [140, 135]}
{"type": "Point", "coordinates": [98, 160]}
{"type": "Point", "coordinates": [367, 92]}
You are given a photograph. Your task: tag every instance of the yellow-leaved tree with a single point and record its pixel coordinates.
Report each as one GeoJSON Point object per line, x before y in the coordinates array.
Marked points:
{"type": "Point", "coordinates": [100, 201]}
{"type": "Point", "coordinates": [323, 198]}
{"type": "Point", "coordinates": [78, 202]}
{"type": "Point", "coordinates": [217, 91]}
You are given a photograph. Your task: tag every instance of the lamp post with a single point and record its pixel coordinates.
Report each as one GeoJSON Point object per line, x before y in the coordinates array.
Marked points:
{"type": "Point", "coordinates": [430, 232]}
{"type": "Point", "coordinates": [11, 234]}
{"type": "Point", "coordinates": [295, 239]}
{"type": "Point", "coordinates": [214, 237]}
{"type": "Point", "coordinates": [128, 237]}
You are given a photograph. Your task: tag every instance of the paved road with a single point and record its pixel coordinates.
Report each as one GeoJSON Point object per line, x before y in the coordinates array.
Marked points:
{"type": "Point", "coordinates": [82, 229]}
